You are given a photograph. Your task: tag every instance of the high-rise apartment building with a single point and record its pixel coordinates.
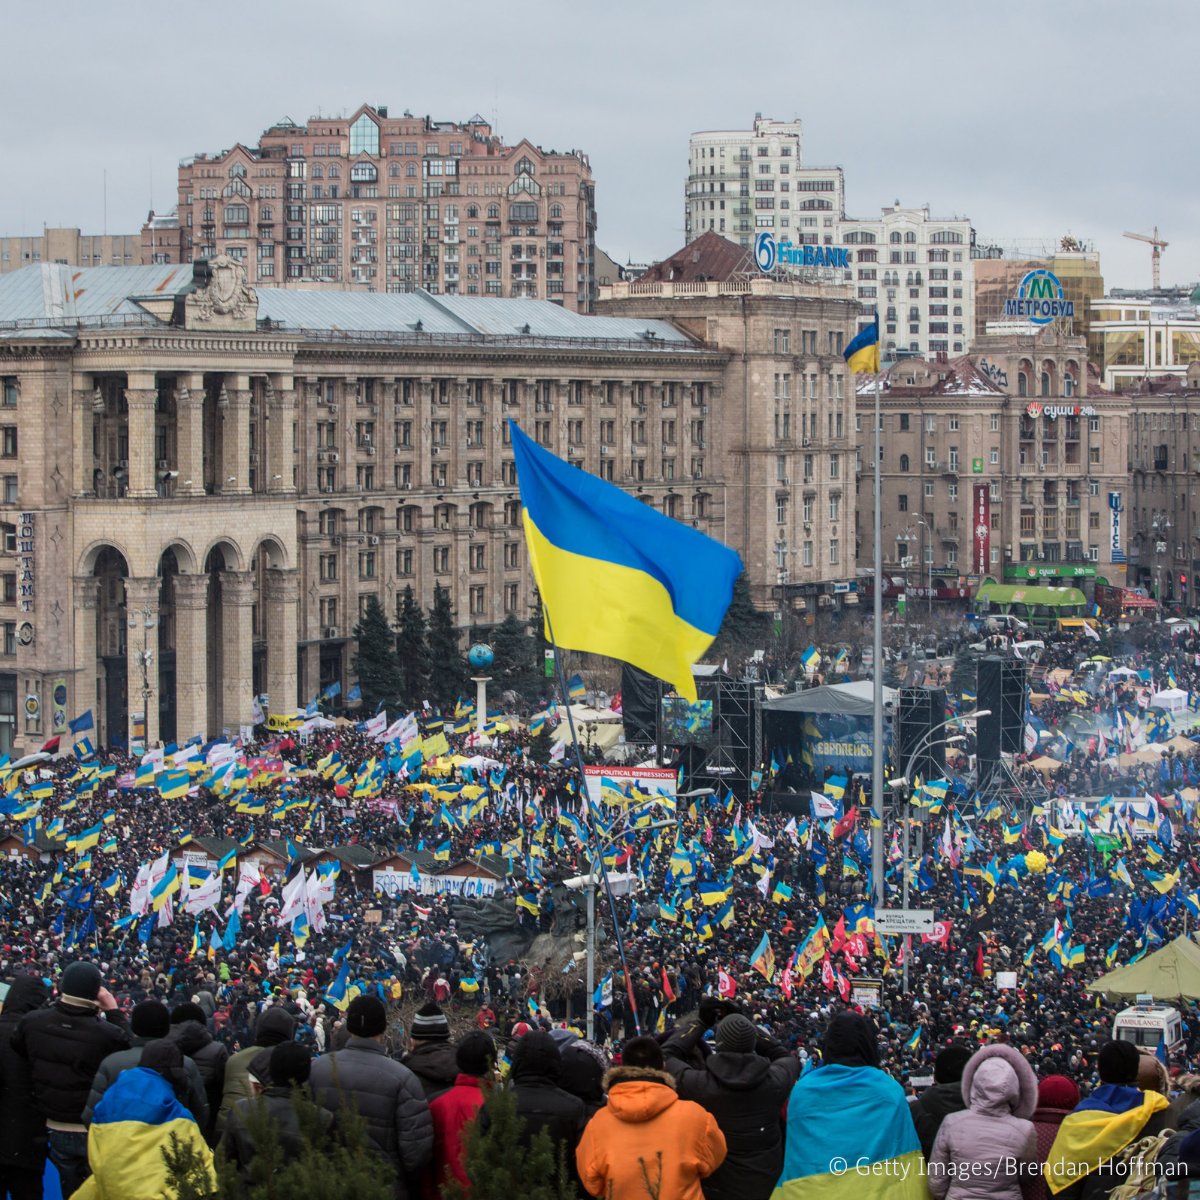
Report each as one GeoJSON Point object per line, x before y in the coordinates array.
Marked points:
{"type": "Point", "coordinates": [917, 271]}
{"type": "Point", "coordinates": [396, 204]}
{"type": "Point", "coordinates": [743, 181]}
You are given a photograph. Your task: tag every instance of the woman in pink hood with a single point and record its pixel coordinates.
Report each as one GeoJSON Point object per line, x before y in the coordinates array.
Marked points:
{"type": "Point", "coordinates": [989, 1151]}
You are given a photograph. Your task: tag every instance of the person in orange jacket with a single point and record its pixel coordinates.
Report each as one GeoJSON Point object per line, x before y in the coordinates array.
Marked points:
{"type": "Point", "coordinates": [647, 1142]}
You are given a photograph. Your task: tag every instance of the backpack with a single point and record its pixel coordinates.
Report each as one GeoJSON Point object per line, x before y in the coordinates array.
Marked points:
{"type": "Point", "coordinates": [1138, 1161]}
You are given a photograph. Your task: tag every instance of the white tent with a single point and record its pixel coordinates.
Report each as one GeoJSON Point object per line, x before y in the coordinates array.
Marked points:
{"type": "Point", "coordinates": [1174, 700]}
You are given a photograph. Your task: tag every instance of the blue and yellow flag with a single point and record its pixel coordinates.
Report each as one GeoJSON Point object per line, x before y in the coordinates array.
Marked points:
{"type": "Point", "coordinates": [616, 577]}
{"type": "Point", "coordinates": [854, 1115]}
{"type": "Point", "coordinates": [1099, 1128]}
{"type": "Point", "coordinates": [862, 354]}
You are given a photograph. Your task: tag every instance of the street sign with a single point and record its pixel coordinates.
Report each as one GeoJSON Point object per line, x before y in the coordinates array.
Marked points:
{"type": "Point", "coordinates": [904, 920]}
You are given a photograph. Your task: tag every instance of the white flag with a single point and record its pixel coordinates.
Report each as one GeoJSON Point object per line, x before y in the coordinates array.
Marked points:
{"type": "Point", "coordinates": [206, 896]}
{"type": "Point", "coordinates": [139, 894]}
{"type": "Point", "coordinates": [293, 898]}
{"type": "Point", "coordinates": [376, 727]}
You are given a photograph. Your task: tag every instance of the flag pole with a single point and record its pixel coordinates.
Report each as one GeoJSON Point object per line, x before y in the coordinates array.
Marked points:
{"type": "Point", "coordinates": [595, 856]}
{"type": "Point", "coordinates": [877, 652]}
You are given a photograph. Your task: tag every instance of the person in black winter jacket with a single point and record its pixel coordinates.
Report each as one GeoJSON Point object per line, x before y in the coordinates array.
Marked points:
{"type": "Point", "coordinates": [22, 1127]}
{"type": "Point", "coordinates": [65, 1045]}
{"type": "Point", "coordinates": [290, 1067]}
{"type": "Point", "coordinates": [189, 1029]}
{"type": "Point", "coordinates": [541, 1103]}
{"type": "Point", "coordinates": [935, 1104]}
{"type": "Point", "coordinates": [431, 1058]}
{"type": "Point", "coordinates": [273, 1026]}
{"type": "Point", "coordinates": [745, 1085]}
{"type": "Point", "coordinates": [149, 1022]}
{"type": "Point", "coordinates": [385, 1093]}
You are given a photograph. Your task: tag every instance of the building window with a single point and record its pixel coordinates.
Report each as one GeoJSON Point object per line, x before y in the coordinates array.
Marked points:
{"type": "Point", "coordinates": [904, 462]}
{"type": "Point", "coordinates": [441, 560]}
{"type": "Point", "coordinates": [477, 600]}
{"type": "Point", "coordinates": [8, 391]}
{"type": "Point", "coordinates": [364, 136]}
{"type": "Point", "coordinates": [8, 441]}
{"type": "Point", "coordinates": [833, 552]}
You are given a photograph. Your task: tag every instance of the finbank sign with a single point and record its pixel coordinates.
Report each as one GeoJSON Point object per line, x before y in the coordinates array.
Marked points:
{"type": "Point", "coordinates": [769, 254]}
{"type": "Point", "coordinates": [1039, 299]}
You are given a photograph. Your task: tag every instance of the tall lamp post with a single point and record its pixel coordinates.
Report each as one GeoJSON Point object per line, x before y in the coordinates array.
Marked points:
{"type": "Point", "coordinates": [906, 781]}
{"type": "Point", "coordinates": [1160, 526]}
{"type": "Point", "coordinates": [145, 657]}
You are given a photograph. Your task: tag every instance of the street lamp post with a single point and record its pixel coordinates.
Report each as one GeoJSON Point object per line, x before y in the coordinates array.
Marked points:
{"type": "Point", "coordinates": [1160, 526]}
{"type": "Point", "coordinates": [145, 657]}
{"type": "Point", "coordinates": [906, 779]}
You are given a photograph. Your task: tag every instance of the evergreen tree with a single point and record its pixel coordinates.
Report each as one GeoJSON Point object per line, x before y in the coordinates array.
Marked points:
{"type": "Point", "coordinates": [412, 651]}
{"type": "Point", "coordinates": [540, 746]}
{"type": "Point", "coordinates": [333, 1163]}
{"type": "Point", "coordinates": [375, 662]}
{"type": "Point", "coordinates": [744, 627]}
{"type": "Point", "coordinates": [515, 666]}
{"type": "Point", "coordinates": [500, 1167]}
{"type": "Point", "coordinates": [449, 677]}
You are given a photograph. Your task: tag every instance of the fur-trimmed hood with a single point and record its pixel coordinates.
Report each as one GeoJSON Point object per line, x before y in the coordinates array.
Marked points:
{"type": "Point", "coordinates": [637, 1075]}
{"type": "Point", "coordinates": [638, 1094]}
{"type": "Point", "coordinates": [997, 1079]}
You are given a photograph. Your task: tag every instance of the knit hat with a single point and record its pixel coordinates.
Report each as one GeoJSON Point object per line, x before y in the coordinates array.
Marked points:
{"type": "Point", "coordinates": [430, 1024]}
{"type": "Point", "coordinates": [188, 1011]}
{"type": "Point", "coordinates": [949, 1064]}
{"type": "Point", "coordinates": [275, 1025]}
{"type": "Point", "coordinates": [643, 1052]}
{"type": "Point", "coordinates": [1057, 1091]}
{"type": "Point", "coordinates": [736, 1034]}
{"type": "Point", "coordinates": [290, 1064]}
{"type": "Point", "coordinates": [366, 1016]}
{"type": "Point", "coordinates": [80, 981]}
{"type": "Point", "coordinates": [1117, 1062]}
{"type": "Point", "coordinates": [259, 1068]}
{"type": "Point", "coordinates": [149, 1019]}
{"type": "Point", "coordinates": [475, 1054]}
{"type": "Point", "coordinates": [521, 1028]}
{"type": "Point", "coordinates": [536, 1053]}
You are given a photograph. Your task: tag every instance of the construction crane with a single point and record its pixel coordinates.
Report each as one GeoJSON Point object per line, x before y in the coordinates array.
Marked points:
{"type": "Point", "coordinates": [1158, 246]}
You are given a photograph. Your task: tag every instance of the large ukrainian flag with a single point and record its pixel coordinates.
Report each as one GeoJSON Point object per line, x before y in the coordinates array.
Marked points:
{"type": "Point", "coordinates": [862, 354]}
{"type": "Point", "coordinates": [616, 577]}
{"type": "Point", "coordinates": [850, 1135]}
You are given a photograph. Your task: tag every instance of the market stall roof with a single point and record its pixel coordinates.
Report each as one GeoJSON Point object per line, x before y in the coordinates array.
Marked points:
{"type": "Point", "coordinates": [1168, 974]}
{"type": "Point", "coordinates": [849, 699]}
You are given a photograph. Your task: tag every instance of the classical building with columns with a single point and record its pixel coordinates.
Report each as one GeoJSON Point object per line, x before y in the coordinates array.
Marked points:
{"type": "Point", "coordinates": [203, 484]}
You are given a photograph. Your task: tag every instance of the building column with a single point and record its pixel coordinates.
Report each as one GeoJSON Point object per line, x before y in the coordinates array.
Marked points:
{"type": "Point", "coordinates": [280, 607]}
{"type": "Point", "coordinates": [141, 403]}
{"type": "Point", "coordinates": [189, 436]}
{"type": "Point", "coordinates": [237, 650]}
{"type": "Point", "coordinates": [234, 405]}
{"type": "Point", "coordinates": [281, 412]}
{"type": "Point", "coordinates": [141, 653]}
{"type": "Point", "coordinates": [82, 416]}
{"type": "Point", "coordinates": [191, 656]}
{"type": "Point", "coordinates": [86, 596]}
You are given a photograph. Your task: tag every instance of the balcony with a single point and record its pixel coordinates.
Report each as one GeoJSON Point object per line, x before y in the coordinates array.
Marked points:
{"type": "Point", "coordinates": [949, 533]}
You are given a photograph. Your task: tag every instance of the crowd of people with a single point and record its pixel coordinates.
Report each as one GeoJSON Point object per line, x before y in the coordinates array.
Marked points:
{"type": "Point", "coordinates": [746, 945]}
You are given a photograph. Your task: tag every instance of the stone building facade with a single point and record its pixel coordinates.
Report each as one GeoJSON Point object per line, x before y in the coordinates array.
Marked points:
{"type": "Point", "coordinates": [207, 482]}
{"type": "Point", "coordinates": [786, 426]}
{"type": "Point", "coordinates": [1164, 510]}
{"type": "Point", "coordinates": [394, 203]}
{"type": "Point", "coordinates": [1005, 465]}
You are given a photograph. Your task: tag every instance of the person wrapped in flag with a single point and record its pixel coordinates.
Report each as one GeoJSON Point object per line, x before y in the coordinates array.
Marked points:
{"type": "Point", "coordinates": [1086, 1161]}
{"type": "Point", "coordinates": [848, 1127]}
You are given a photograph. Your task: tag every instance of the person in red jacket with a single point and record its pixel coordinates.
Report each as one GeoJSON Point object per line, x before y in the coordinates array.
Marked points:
{"type": "Point", "coordinates": [454, 1110]}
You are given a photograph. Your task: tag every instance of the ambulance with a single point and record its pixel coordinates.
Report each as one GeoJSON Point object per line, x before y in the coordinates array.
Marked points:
{"type": "Point", "coordinates": [1148, 1026]}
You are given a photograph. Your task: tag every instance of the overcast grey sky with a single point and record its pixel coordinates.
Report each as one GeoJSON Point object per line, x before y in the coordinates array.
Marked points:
{"type": "Point", "coordinates": [1031, 118]}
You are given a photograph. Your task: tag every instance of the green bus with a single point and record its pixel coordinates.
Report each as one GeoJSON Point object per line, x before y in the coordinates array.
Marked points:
{"type": "Point", "coordinates": [1039, 605]}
